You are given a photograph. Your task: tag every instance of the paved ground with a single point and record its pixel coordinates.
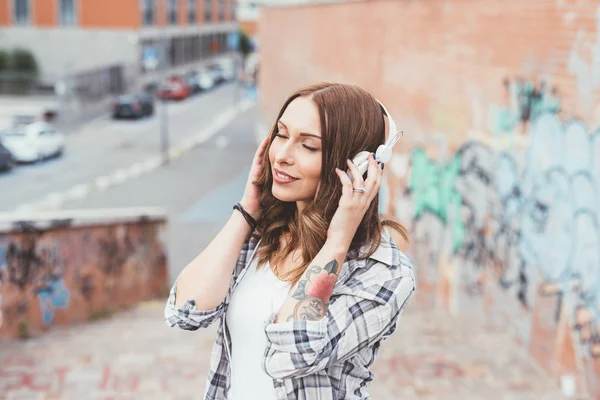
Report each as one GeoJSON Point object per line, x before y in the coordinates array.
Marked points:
{"type": "Point", "coordinates": [133, 355]}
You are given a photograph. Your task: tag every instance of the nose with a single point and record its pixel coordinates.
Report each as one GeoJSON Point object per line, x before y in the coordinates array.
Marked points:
{"type": "Point", "coordinates": [284, 154]}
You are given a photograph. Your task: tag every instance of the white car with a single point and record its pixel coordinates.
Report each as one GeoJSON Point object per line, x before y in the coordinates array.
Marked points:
{"type": "Point", "coordinates": [33, 142]}
{"type": "Point", "coordinates": [228, 69]}
{"type": "Point", "coordinates": [205, 80]}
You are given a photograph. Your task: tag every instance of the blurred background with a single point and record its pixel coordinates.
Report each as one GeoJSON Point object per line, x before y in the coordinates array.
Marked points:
{"type": "Point", "coordinates": [127, 129]}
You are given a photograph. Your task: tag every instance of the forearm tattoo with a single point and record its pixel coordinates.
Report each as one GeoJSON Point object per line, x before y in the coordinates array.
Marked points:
{"type": "Point", "coordinates": [314, 290]}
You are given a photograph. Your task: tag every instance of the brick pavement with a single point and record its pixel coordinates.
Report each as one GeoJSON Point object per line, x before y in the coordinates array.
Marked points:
{"type": "Point", "coordinates": [134, 355]}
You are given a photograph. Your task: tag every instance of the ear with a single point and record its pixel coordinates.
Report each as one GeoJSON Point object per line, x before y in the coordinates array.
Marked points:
{"type": "Point", "coordinates": [387, 128]}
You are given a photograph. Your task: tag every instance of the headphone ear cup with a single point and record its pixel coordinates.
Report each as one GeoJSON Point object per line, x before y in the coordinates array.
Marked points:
{"type": "Point", "coordinates": [383, 153]}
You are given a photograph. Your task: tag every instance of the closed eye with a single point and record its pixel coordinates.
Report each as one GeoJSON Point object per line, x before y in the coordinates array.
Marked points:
{"type": "Point", "coordinates": [312, 149]}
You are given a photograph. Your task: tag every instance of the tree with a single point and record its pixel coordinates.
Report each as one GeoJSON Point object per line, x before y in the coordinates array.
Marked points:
{"type": "Point", "coordinates": [245, 44]}
{"type": "Point", "coordinates": [18, 71]}
{"type": "Point", "coordinates": [4, 60]}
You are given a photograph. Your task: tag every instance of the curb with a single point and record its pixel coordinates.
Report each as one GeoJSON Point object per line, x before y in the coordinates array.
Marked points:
{"type": "Point", "coordinates": [80, 191]}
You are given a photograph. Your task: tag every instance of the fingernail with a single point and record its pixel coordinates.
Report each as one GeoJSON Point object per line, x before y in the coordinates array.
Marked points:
{"type": "Point", "coordinates": [382, 165]}
{"type": "Point", "coordinates": [373, 154]}
{"type": "Point", "coordinates": [351, 161]}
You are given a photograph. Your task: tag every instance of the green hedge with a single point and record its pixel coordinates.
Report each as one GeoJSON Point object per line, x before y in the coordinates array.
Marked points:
{"type": "Point", "coordinates": [19, 71]}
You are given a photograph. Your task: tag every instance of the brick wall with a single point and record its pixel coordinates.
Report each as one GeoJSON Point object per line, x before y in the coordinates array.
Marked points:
{"type": "Point", "coordinates": [44, 13]}
{"type": "Point", "coordinates": [76, 267]}
{"type": "Point", "coordinates": [109, 14]}
{"type": "Point", "coordinates": [5, 8]}
{"type": "Point", "coordinates": [498, 173]}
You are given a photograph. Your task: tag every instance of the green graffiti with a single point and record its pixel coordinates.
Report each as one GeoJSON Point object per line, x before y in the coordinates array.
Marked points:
{"type": "Point", "coordinates": [433, 191]}
{"type": "Point", "coordinates": [501, 120]}
{"type": "Point", "coordinates": [525, 102]}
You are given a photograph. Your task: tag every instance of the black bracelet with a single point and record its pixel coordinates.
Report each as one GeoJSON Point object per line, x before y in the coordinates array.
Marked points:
{"type": "Point", "coordinates": [251, 221]}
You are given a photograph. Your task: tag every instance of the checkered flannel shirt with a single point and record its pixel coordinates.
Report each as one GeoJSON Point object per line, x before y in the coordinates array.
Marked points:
{"type": "Point", "coordinates": [325, 359]}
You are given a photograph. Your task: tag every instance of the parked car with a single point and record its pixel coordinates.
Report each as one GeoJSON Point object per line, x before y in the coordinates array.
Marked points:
{"type": "Point", "coordinates": [133, 106]}
{"type": "Point", "coordinates": [6, 159]}
{"type": "Point", "coordinates": [200, 80]}
{"type": "Point", "coordinates": [227, 66]}
{"type": "Point", "coordinates": [217, 73]}
{"type": "Point", "coordinates": [174, 88]}
{"type": "Point", "coordinates": [33, 142]}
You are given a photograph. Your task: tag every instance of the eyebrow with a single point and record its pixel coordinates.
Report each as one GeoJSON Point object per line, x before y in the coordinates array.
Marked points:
{"type": "Point", "coordinates": [301, 134]}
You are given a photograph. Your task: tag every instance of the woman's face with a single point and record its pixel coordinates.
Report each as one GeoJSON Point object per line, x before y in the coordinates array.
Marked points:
{"type": "Point", "coordinates": [296, 152]}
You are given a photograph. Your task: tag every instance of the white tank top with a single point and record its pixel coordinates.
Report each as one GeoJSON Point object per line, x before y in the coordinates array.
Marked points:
{"type": "Point", "coordinates": [255, 299]}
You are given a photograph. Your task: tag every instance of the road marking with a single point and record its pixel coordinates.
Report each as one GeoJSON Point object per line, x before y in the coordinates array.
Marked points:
{"type": "Point", "coordinates": [54, 201]}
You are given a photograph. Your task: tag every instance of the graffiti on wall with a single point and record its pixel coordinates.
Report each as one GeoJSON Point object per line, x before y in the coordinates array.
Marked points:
{"type": "Point", "coordinates": [76, 271]}
{"type": "Point", "coordinates": [530, 220]}
{"type": "Point", "coordinates": [524, 101]}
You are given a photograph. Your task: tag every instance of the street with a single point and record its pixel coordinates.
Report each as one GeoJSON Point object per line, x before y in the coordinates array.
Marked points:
{"type": "Point", "coordinates": [104, 146]}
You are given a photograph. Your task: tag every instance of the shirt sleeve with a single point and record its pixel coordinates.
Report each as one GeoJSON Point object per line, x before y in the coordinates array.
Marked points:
{"type": "Point", "coordinates": [299, 348]}
{"type": "Point", "coordinates": [188, 317]}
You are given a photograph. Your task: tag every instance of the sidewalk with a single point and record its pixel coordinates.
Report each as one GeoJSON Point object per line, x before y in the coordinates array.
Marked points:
{"type": "Point", "coordinates": [134, 355]}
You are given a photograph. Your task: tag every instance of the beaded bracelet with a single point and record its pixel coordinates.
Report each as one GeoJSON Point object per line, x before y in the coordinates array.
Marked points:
{"type": "Point", "coordinates": [251, 221]}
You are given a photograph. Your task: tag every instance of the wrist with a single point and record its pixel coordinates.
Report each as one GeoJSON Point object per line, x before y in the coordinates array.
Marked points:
{"type": "Point", "coordinates": [339, 247]}
{"type": "Point", "coordinates": [254, 212]}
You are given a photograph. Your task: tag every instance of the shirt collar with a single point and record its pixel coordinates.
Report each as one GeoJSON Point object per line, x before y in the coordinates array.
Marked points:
{"type": "Point", "coordinates": [385, 252]}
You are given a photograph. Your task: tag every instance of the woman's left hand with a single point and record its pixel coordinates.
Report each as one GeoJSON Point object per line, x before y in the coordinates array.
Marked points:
{"type": "Point", "coordinates": [353, 205]}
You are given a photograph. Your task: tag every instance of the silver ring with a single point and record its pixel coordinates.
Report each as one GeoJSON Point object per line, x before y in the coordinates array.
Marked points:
{"type": "Point", "coordinates": [360, 190]}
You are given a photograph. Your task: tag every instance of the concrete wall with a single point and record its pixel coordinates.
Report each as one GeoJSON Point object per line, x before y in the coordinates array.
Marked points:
{"type": "Point", "coordinates": [68, 267]}
{"type": "Point", "coordinates": [498, 173]}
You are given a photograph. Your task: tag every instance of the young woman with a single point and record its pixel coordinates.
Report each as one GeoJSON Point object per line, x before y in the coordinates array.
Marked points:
{"type": "Point", "coordinates": [304, 276]}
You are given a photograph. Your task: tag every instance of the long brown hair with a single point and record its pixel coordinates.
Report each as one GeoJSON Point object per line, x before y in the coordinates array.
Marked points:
{"type": "Point", "coordinates": [352, 121]}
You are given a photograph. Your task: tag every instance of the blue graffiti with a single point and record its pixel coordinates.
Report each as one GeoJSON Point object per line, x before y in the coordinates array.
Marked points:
{"type": "Point", "coordinates": [54, 295]}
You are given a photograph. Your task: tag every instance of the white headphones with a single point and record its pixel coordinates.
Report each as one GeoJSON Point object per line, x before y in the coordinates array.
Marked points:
{"type": "Point", "coordinates": [384, 151]}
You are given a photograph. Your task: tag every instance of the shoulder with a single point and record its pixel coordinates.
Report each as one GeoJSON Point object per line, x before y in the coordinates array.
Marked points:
{"type": "Point", "coordinates": [383, 276]}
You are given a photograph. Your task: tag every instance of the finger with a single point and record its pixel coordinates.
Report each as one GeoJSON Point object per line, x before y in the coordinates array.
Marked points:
{"type": "Point", "coordinates": [261, 149]}
{"type": "Point", "coordinates": [372, 174]}
{"type": "Point", "coordinates": [356, 175]}
{"type": "Point", "coordinates": [377, 184]}
{"type": "Point", "coordinates": [346, 183]}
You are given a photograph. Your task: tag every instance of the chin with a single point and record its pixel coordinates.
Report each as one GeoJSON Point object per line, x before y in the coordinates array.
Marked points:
{"type": "Point", "coordinates": [281, 195]}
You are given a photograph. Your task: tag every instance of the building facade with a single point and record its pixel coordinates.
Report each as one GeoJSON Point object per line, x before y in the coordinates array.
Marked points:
{"type": "Point", "coordinates": [111, 45]}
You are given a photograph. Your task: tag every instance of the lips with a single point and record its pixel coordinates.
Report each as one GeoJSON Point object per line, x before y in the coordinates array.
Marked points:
{"type": "Point", "coordinates": [281, 177]}
{"type": "Point", "coordinates": [278, 171]}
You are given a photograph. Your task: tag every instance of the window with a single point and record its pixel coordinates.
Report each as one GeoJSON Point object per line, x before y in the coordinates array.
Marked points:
{"type": "Point", "coordinates": [148, 12]}
{"type": "Point", "coordinates": [67, 12]}
{"type": "Point", "coordinates": [207, 10]}
{"type": "Point", "coordinates": [221, 10]}
{"type": "Point", "coordinates": [172, 17]}
{"type": "Point", "coordinates": [21, 12]}
{"type": "Point", "coordinates": [192, 11]}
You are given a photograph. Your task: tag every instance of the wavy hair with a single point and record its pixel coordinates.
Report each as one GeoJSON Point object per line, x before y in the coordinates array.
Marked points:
{"type": "Point", "coordinates": [352, 121]}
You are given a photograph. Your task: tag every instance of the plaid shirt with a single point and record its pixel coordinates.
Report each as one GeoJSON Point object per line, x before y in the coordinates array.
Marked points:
{"type": "Point", "coordinates": [325, 359]}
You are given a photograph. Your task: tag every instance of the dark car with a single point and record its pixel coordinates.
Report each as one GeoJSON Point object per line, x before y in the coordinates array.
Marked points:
{"type": "Point", "coordinates": [133, 106]}
{"type": "Point", "coordinates": [7, 161]}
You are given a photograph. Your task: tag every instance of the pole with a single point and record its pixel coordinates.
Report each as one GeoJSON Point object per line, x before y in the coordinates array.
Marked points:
{"type": "Point", "coordinates": [164, 112]}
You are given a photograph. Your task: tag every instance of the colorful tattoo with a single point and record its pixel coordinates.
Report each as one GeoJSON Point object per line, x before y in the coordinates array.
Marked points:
{"type": "Point", "coordinates": [314, 291]}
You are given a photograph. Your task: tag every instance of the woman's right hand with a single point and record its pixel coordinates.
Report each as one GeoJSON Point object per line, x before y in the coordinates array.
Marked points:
{"type": "Point", "coordinates": [251, 198]}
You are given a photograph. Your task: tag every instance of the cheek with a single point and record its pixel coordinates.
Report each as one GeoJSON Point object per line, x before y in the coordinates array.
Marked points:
{"type": "Point", "coordinates": [313, 170]}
